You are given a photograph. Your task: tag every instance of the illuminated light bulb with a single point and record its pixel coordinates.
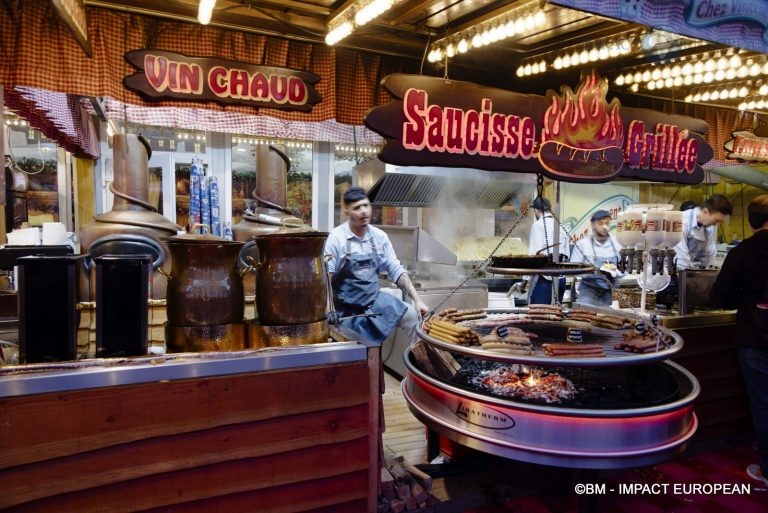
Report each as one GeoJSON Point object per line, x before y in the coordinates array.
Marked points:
{"type": "Point", "coordinates": [742, 72]}
{"type": "Point", "coordinates": [637, 77]}
{"type": "Point", "coordinates": [431, 56]}
{"type": "Point", "coordinates": [688, 80]}
{"type": "Point", "coordinates": [558, 63]}
{"type": "Point", "coordinates": [543, 66]}
{"type": "Point", "coordinates": [722, 63]}
{"type": "Point", "coordinates": [687, 68]}
{"type": "Point", "coordinates": [743, 92]}
{"type": "Point", "coordinates": [519, 71]}
{"type": "Point", "coordinates": [714, 95]}
{"type": "Point", "coordinates": [613, 51]}
{"type": "Point", "coordinates": [755, 70]}
{"type": "Point", "coordinates": [509, 28]}
{"type": "Point", "coordinates": [575, 59]}
{"type": "Point", "coordinates": [530, 22]}
{"type": "Point", "coordinates": [765, 68]}
{"type": "Point", "coordinates": [698, 78]}
{"type": "Point", "coordinates": [477, 41]}
{"type": "Point", "coordinates": [688, 99]}
{"type": "Point", "coordinates": [619, 80]}
{"type": "Point", "coordinates": [677, 81]}
{"type": "Point", "coordinates": [450, 51]}
{"type": "Point", "coordinates": [338, 33]}
{"type": "Point", "coordinates": [666, 72]}
{"type": "Point", "coordinates": [566, 61]}
{"type": "Point", "coordinates": [635, 87]}
{"type": "Point", "coordinates": [535, 68]}
{"type": "Point", "coordinates": [760, 104]}
{"type": "Point", "coordinates": [651, 86]}
{"type": "Point", "coordinates": [763, 91]}
{"type": "Point", "coordinates": [735, 61]}
{"type": "Point", "coordinates": [698, 67]}
{"type": "Point", "coordinates": [519, 25]}
{"type": "Point", "coordinates": [629, 78]}
{"type": "Point", "coordinates": [705, 96]}
{"type": "Point", "coordinates": [742, 106]}
{"type": "Point", "coordinates": [646, 76]}
{"type": "Point", "coordinates": [205, 11]}
{"type": "Point", "coordinates": [708, 77]}
{"type": "Point", "coordinates": [730, 74]}
{"type": "Point", "coordinates": [669, 82]}
{"type": "Point", "coordinates": [659, 84]}
{"type": "Point", "coordinates": [733, 93]}
{"type": "Point", "coordinates": [494, 33]}
{"type": "Point", "coordinates": [656, 74]}
{"type": "Point", "coordinates": [676, 70]}
{"type": "Point", "coordinates": [593, 54]}
{"type": "Point", "coordinates": [528, 69]}
{"type": "Point", "coordinates": [463, 46]}
{"type": "Point", "coordinates": [603, 52]}
{"type": "Point", "coordinates": [719, 75]}
{"type": "Point", "coordinates": [486, 37]}
{"type": "Point", "coordinates": [710, 66]}
{"type": "Point", "coordinates": [540, 18]}
{"type": "Point", "coordinates": [751, 104]}
{"type": "Point", "coordinates": [584, 56]}
{"type": "Point", "coordinates": [697, 97]}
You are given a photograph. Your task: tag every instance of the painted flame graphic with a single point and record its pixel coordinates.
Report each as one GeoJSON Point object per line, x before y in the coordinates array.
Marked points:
{"type": "Point", "coordinates": [584, 119]}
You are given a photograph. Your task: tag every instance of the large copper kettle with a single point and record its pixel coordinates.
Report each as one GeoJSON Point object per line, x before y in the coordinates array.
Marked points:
{"type": "Point", "coordinates": [133, 226]}
{"type": "Point", "coordinates": [205, 283]}
{"type": "Point", "coordinates": [291, 282]}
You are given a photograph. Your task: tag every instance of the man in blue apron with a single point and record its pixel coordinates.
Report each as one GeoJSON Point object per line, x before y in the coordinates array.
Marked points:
{"type": "Point", "coordinates": [698, 247]}
{"type": "Point", "coordinates": [358, 253]}
{"type": "Point", "coordinates": [601, 249]}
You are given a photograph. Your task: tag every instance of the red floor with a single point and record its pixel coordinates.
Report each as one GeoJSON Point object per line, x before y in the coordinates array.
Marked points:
{"type": "Point", "coordinates": [718, 467]}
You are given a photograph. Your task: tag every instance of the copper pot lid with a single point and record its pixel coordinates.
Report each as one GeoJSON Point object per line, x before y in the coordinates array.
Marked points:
{"type": "Point", "coordinates": [200, 238]}
{"type": "Point", "coordinates": [145, 218]}
{"type": "Point", "coordinates": [292, 232]}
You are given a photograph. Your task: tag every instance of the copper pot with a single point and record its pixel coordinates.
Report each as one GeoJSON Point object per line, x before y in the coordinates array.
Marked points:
{"type": "Point", "coordinates": [291, 283]}
{"type": "Point", "coordinates": [204, 285]}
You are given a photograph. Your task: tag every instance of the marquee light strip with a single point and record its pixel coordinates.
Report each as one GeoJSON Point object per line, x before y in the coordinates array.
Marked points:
{"type": "Point", "coordinates": [516, 22]}
{"type": "Point", "coordinates": [355, 16]}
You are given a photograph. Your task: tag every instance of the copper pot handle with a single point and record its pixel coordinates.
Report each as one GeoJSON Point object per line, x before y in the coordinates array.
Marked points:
{"type": "Point", "coordinates": [297, 224]}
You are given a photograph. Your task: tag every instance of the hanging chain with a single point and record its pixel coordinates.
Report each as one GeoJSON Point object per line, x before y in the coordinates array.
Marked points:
{"type": "Point", "coordinates": [476, 268]}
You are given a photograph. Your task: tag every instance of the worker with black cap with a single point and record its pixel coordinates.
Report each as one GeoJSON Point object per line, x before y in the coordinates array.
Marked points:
{"type": "Point", "coordinates": [601, 249]}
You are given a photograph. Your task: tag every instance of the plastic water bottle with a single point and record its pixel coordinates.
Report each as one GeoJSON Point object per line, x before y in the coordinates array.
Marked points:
{"type": "Point", "coordinates": [228, 230]}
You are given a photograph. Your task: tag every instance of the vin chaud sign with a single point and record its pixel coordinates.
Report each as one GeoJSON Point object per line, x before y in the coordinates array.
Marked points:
{"type": "Point", "coordinates": [574, 136]}
{"type": "Point", "coordinates": [172, 75]}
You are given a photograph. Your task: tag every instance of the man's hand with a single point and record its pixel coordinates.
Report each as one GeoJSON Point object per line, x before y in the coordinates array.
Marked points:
{"type": "Point", "coordinates": [420, 306]}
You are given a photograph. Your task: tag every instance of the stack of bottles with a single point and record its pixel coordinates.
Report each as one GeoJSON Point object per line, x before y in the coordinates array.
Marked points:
{"type": "Point", "coordinates": [204, 211]}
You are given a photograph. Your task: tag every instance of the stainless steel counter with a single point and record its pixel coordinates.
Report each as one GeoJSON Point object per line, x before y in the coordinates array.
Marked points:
{"type": "Point", "coordinates": [20, 380]}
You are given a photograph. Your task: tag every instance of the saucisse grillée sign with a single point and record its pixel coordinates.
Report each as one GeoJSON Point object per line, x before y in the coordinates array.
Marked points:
{"type": "Point", "coordinates": [573, 136]}
{"type": "Point", "coordinates": [171, 75]}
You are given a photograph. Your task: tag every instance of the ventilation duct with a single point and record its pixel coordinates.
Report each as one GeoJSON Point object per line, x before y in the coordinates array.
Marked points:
{"type": "Point", "coordinates": [413, 186]}
{"type": "Point", "coordinates": [750, 175]}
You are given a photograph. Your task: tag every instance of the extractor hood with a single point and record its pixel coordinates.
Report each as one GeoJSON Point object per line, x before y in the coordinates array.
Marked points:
{"type": "Point", "coordinates": [414, 186]}
{"type": "Point", "coordinates": [750, 175]}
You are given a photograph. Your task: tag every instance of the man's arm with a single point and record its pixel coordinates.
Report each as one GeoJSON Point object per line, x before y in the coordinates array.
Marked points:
{"type": "Point", "coordinates": [712, 247]}
{"type": "Point", "coordinates": [405, 284]}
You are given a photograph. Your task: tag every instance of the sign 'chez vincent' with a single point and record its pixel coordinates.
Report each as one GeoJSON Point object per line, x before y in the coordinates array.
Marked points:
{"type": "Point", "coordinates": [747, 146]}
{"type": "Point", "coordinates": [572, 136]}
{"type": "Point", "coordinates": [173, 75]}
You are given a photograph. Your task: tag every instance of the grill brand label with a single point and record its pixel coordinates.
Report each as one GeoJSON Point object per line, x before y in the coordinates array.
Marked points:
{"type": "Point", "coordinates": [484, 417]}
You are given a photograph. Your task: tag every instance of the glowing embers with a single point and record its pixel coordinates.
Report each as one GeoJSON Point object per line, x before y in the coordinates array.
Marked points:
{"type": "Point", "coordinates": [582, 134]}
{"type": "Point", "coordinates": [523, 382]}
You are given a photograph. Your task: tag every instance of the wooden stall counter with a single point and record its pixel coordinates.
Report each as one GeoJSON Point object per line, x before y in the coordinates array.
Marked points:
{"type": "Point", "coordinates": [709, 352]}
{"type": "Point", "coordinates": [272, 430]}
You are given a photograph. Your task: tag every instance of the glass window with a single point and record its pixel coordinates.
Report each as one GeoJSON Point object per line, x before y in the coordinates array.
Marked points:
{"type": "Point", "coordinates": [346, 157]}
{"type": "Point", "coordinates": [31, 176]}
{"type": "Point", "coordinates": [298, 180]}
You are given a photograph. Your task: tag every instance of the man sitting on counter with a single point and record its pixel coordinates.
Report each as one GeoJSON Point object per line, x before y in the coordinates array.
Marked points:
{"type": "Point", "coordinates": [698, 247]}
{"type": "Point", "coordinates": [358, 253]}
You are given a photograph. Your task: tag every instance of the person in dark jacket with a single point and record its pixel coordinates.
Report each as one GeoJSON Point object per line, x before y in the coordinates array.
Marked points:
{"type": "Point", "coordinates": [743, 284]}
